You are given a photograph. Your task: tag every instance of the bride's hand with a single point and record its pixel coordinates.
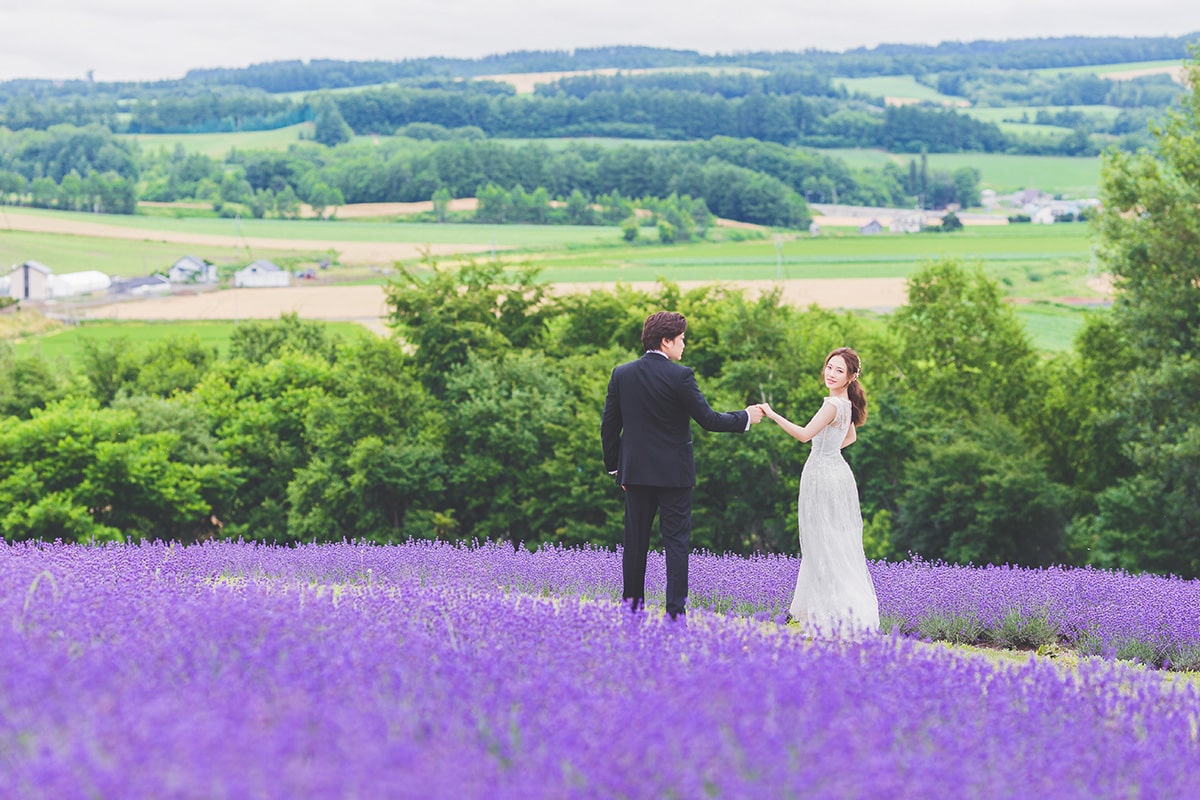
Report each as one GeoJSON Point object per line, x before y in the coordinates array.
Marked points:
{"type": "Point", "coordinates": [767, 410]}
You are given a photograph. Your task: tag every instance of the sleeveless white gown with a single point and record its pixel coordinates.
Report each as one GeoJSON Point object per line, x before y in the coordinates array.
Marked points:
{"type": "Point", "coordinates": [834, 597]}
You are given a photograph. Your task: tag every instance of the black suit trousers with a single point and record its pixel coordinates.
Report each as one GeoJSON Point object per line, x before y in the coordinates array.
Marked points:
{"type": "Point", "coordinates": [674, 507]}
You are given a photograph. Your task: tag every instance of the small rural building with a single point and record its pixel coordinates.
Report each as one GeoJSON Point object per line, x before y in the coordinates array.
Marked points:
{"type": "Point", "coordinates": [76, 283]}
{"type": "Point", "coordinates": [907, 223]}
{"type": "Point", "coordinates": [871, 228]}
{"type": "Point", "coordinates": [261, 274]}
{"type": "Point", "coordinates": [30, 281]}
{"type": "Point", "coordinates": [190, 269]}
{"type": "Point", "coordinates": [140, 287]}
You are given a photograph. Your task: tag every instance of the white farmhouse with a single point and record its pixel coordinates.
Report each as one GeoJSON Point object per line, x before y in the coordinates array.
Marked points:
{"type": "Point", "coordinates": [261, 274]}
{"type": "Point", "coordinates": [190, 269]}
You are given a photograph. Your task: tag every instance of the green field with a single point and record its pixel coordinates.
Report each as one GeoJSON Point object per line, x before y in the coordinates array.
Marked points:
{"type": "Point", "coordinates": [1065, 175]}
{"type": "Point", "coordinates": [901, 86]}
{"type": "Point", "coordinates": [1030, 261]}
{"type": "Point", "coordinates": [218, 145]}
{"type": "Point", "coordinates": [66, 345]}
{"type": "Point", "coordinates": [1028, 114]}
{"type": "Point", "coordinates": [1106, 69]}
{"type": "Point", "coordinates": [1052, 326]}
{"type": "Point", "coordinates": [509, 236]}
{"type": "Point", "coordinates": [127, 257]}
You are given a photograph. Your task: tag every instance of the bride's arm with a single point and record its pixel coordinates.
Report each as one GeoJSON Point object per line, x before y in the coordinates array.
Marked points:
{"type": "Point", "coordinates": [803, 433]}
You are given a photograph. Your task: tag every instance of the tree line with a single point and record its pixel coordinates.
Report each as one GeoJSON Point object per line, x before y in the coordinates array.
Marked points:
{"type": "Point", "coordinates": [749, 180]}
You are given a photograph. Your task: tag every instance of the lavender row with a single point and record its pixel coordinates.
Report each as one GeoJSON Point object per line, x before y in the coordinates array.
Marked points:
{"type": "Point", "coordinates": [233, 671]}
{"type": "Point", "coordinates": [1151, 618]}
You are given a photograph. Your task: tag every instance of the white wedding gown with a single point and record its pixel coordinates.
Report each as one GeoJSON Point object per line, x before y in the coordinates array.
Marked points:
{"type": "Point", "coordinates": [834, 594]}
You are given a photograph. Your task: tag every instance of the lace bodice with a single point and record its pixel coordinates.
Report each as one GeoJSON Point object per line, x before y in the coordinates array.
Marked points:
{"type": "Point", "coordinates": [828, 442]}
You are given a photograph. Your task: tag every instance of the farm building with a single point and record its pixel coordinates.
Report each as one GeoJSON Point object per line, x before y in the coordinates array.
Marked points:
{"type": "Point", "coordinates": [30, 281]}
{"type": "Point", "coordinates": [261, 274]}
{"type": "Point", "coordinates": [871, 228]}
{"type": "Point", "coordinates": [190, 269]}
{"type": "Point", "coordinates": [907, 223]}
{"type": "Point", "coordinates": [140, 287]}
{"type": "Point", "coordinates": [35, 281]}
{"type": "Point", "coordinates": [76, 283]}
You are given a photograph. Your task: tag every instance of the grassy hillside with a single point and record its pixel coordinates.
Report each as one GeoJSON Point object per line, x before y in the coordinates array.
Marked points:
{"type": "Point", "coordinates": [218, 145]}
{"type": "Point", "coordinates": [1066, 175]}
{"type": "Point", "coordinates": [903, 87]}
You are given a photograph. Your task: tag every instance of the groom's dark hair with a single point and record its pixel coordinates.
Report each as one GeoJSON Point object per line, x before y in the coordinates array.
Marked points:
{"type": "Point", "coordinates": [662, 325]}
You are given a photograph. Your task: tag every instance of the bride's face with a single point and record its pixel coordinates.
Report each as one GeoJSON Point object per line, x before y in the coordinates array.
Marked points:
{"type": "Point", "coordinates": [837, 375]}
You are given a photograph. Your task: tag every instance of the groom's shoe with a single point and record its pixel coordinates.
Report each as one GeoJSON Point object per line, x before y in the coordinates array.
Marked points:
{"type": "Point", "coordinates": [636, 604]}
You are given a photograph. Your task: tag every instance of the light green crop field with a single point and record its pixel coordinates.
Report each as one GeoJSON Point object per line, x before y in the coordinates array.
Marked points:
{"type": "Point", "coordinates": [901, 86]}
{"type": "Point", "coordinates": [218, 145]}
{"type": "Point", "coordinates": [1029, 113]}
{"type": "Point", "coordinates": [1052, 327]}
{"type": "Point", "coordinates": [66, 345]}
{"type": "Point", "coordinates": [1030, 261]}
{"type": "Point", "coordinates": [1030, 131]}
{"type": "Point", "coordinates": [562, 142]}
{"type": "Point", "coordinates": [312, 230]}
{"type": "Point", "coordinates": [1107, 69]}
{"type": "Point", "coordinates": [127, 257]}
{"type": "Point", "coordinates": [1066, 175]}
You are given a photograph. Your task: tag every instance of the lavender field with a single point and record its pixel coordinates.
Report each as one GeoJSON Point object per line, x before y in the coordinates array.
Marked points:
{"type": "Point", "coordinates": [229, 670]}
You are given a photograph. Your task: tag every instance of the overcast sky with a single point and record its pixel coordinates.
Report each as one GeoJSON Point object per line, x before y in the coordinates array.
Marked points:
{"type": "Point", "coordinates": [151, 39]}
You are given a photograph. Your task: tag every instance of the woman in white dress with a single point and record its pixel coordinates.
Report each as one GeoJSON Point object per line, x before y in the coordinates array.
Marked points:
{"type": "Point", "coordinates": [834, 595]}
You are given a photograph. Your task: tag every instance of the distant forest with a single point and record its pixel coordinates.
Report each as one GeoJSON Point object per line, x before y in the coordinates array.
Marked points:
{"type": "Point", "coordinates": [56, 131]}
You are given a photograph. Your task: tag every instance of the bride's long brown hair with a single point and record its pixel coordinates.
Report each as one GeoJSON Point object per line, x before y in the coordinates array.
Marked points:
{"type": "Point", "coordinates": [854, 390]}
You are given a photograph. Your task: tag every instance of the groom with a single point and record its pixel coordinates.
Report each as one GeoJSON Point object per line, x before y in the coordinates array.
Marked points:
{"type": "Point", "coordinates": [647, 439]}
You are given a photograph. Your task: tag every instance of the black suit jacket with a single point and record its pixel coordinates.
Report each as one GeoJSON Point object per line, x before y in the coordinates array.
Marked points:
{"type": "Point", "coordinates": [646, 428]}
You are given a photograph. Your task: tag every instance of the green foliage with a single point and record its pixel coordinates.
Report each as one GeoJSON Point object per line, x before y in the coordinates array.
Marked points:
{"type": "Point", "coordinates": [377, 469]}
{"type": "Point", "coordinates": [980, 496]}
{"type": "Point", "coordinates": [953, 628]}
{"type": "Point", "coordinates": [964, 349]}
{"type": "Point", "coordinates": [1022, 631]}
{"type": "Point", "coordinates": [1149, 228]}
{"type": "Point", "coordinates": [27, 382]}
{"type": "Point", "coordinates": [79, 472]}
{"type": "Point", "coordinates": [329, 126]}
{"type": "Point", "coordinates": [260, 342]}
{"type": "Point", "coordinates": [475, 309]}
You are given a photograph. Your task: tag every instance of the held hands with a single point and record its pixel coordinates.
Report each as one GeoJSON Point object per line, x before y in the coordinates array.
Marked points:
{"type": "Point", "coordinates": [767, 411]}
{"type": "Point", "coordinates": [755, 412]}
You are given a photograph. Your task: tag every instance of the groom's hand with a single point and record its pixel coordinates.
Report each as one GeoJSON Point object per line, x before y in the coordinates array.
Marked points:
{"type": "Point", "coordinates": [755, 412]}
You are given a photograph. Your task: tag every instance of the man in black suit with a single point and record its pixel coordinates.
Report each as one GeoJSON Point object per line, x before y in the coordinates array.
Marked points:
{"type": "Point", "coordinates": [647, 439]}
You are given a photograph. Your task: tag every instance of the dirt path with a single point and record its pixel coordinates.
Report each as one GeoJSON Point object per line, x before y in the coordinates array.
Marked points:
{"type": "Point", "coordinates": [366, 304]}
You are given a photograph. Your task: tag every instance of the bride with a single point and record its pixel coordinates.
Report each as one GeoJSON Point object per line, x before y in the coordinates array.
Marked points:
{"type": "Point", "coordinates": [834, 595]}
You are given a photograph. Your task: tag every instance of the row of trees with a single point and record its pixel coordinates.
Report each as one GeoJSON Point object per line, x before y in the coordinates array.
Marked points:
{"type": "Point", "coordinates": [652, 107]}
{"type": "Point", "coordinates": [654, 113]}
{"type": "Point", "coordinates": [101, 193]}
{"type": "Point", "coordinates": [741, 179]}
